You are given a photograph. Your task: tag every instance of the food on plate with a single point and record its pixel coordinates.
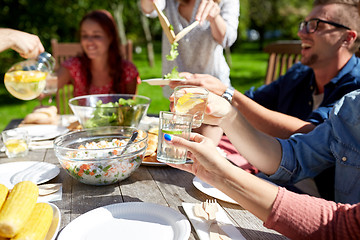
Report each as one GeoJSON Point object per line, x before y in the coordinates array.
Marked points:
{"type": "Point", "coordinates": [121, 113]}
{"type": "Point", "coordinates": [21, 217]}
{"type": "Point", "coordinates": [42, 115]}
{"type": "Point", "coordinates": [100, 172]}
{"type": "Point", "coordinates": [17, 208]}
{"type": "Point", "coordinates": [74, 126]}
{"type": "Point", "coordinates": [3, 194]}
{"type": "Point", "coordinates": [38, 223]}
{"type": "Point", "coordinates": [150, 154]}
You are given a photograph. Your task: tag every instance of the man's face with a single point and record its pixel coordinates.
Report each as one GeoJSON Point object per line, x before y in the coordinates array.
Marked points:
{"type": "Point", "coordinates": [322, 46]}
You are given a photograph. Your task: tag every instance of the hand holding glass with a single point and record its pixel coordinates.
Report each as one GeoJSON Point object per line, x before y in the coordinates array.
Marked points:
{"type": "Point", "coordinates": [191, 100]}
{"type": "Point", "coordinates": [16, 142]}
{"type": "Point", "coordinates": [177, 125]}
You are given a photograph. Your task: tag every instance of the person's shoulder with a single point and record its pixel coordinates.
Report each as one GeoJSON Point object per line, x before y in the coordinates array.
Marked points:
{"type": "Point", "coordinates": [71, 61]}
{"type": "Point", "coordinates": [125, 64]}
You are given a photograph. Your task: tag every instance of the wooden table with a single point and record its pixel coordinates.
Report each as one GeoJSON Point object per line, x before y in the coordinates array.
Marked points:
{"type": "Point", "coordinates": [161, 185]}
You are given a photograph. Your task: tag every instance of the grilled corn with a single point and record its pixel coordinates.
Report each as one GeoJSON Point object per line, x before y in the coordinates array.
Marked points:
{"type": "Point", "coordinates": [17, 208]}
{"type": "Point", "coordinates": [38, 224]}
{"type": "Point", "coordinates": [3, 194]}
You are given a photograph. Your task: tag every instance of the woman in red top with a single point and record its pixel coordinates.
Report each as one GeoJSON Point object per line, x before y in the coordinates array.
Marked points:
{"type": "Point", "coordinates": [100, 68]}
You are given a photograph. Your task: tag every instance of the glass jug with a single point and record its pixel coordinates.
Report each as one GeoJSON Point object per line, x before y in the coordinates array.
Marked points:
{"type": "Point", "coordinates": [26, 80]}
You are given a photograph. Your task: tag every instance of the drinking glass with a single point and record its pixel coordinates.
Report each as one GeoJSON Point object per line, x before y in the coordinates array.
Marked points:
{"type": "Point", "coordinates": [178, 125]}
{"type": "Point", "coordinates": [16, 142]}
{"type": "Point", "coordinates": [191, 100]}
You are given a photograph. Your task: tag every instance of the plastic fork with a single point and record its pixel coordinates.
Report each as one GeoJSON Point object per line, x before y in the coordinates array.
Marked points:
{"type": "Point", "coordinates": [211, 208]}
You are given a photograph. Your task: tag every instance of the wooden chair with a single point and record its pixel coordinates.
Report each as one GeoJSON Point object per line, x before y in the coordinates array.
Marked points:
{"type": "Point", "coordinates": [61, 52]}
{"type": "Point", "coordinates": [282, 55]}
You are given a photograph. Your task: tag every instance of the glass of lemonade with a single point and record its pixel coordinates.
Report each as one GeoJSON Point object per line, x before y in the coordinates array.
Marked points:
{"type": "Point", "coordinates": [191, 100]}
{"type": "Point", "coordinates": [26, 80]}
{"type": "Point", "coordinates": [16, 142]}
{"type": "Point", "coordinates": [174, 124]}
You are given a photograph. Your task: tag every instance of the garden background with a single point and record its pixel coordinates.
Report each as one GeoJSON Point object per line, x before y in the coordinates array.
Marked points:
{"type": "Point", "coordinates": [261, 21]}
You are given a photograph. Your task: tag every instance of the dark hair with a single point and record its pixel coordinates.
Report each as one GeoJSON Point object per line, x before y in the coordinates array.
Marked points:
{"type": "Point", "coordinates": [348, 15]}
{"type": "Point", "coordinates": [107, 23]}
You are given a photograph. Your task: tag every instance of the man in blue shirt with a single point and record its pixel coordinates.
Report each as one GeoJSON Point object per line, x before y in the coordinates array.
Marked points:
{"type": "Point", "coordinates": [301, 99]}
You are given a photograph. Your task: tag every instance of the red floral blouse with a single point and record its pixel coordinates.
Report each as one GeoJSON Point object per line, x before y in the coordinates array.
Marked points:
{"type": "Point", "coordinates": [130, 74]}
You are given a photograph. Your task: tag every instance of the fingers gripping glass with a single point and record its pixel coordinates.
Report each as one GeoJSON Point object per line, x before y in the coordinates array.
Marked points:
{"type": "Point", "coordinates": [312, 25]}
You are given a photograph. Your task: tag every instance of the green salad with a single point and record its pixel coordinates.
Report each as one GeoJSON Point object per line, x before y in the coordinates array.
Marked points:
{"type": "Point", "coordinates": [124, 112]}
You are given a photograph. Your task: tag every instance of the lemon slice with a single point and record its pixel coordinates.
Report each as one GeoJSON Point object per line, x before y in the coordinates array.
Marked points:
{"type": "Point", "coordinates": [171, 131]}
{"type": "Point", "coordinates": [185, 103]}
{"type": "Point", "coordinates": [154, 131]}
{"type": "Point", "coordinates": [25, 76]}
{"type": "Point", "coordinates": [16, 145]}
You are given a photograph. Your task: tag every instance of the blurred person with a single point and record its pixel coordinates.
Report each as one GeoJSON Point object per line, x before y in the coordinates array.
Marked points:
{"type": "Point", "coordinates": [297, 216]}
{"type": "Point", "coordinates": [302, 99]}
{"type": "Point", "coordinates": [26, 44]}
{"type": "Point", "coordinates": [201, 50]}
{"type": "Point", "coordinates": [101, 68]}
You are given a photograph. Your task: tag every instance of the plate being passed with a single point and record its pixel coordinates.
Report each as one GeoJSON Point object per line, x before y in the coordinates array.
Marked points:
{"type": "Point", "coordinates": [45, 132]}
{"type": "Point", "coordinates": [132, 220]}
{"type": "Point", "coordinates": [211, 191]}
{"type": "Point", "coordinates": [55, 224]}
{"type": "Point", "coordinates": [160, 81]}
{"type": "Point", "coordinates": [37, 172]}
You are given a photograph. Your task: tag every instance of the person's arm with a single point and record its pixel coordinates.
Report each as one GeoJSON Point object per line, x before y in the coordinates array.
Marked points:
{"type": "Point", "coordinates": [304, 217]}
{"type": "Point", "coordinates": [274, 123]}
{"type": "Point", "coordinates": [249, 191]}
{"type": "Point", "coordinates": [26, 44]}
{"type": "Point", "coordinates": [64, 77]}
{"type": "Point", "coordinates": [293, 215]}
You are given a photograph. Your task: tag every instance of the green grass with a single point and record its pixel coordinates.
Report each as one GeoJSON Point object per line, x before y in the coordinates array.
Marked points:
{"type": "Point", "coordinates": [247, 70]}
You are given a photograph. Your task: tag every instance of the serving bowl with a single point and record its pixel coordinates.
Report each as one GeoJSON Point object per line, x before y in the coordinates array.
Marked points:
{"type": "Point", "coordinates": [93, 156]}
{"type": "Point", "coordinates": [109, 109]}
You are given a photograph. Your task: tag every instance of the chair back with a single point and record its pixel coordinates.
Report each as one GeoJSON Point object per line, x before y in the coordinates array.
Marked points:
{"type": "Point", "coordinates": [63, 51]}
{"type": "Point", "coordinates": [282, 55]}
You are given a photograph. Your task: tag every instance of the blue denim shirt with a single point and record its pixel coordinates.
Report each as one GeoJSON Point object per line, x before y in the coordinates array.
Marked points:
{"type": "Point", "coordinates": [336, 142]}
{"type": "Point", "coordinates": [292, 93]}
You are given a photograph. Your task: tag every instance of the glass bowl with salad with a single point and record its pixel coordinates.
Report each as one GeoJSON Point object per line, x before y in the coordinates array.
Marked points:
{"type": "Point", "coordinates": [95, 156]}
{"type": "Point", "coordinates": [100, 110]}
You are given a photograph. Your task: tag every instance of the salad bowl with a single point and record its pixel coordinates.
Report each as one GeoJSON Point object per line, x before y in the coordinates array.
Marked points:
{"type": "Point", "coordinates": [95, 156]}
{"type": "Point", "coordinates": [109, 109]}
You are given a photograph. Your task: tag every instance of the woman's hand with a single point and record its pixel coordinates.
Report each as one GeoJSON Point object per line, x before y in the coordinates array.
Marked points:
{"type": "Point", "coordinates": [208, 10]}
{"type": "Point", "coordinates": [208, 163]}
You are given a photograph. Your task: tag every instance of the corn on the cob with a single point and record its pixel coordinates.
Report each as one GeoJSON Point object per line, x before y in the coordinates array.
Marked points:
{"type": "Point", "coordinates": [38, 224]}
{"type": "Point", "coordinates": [3, 194]}
{"type": "Point", "coordinates": [17, 208]}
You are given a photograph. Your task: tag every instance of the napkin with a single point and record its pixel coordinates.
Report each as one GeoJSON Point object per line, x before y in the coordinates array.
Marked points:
{"type": "Point", "coordinates": [41, 144]}
{"type": "Point", "coordinates": [56, 196]}
{"type": "Point", "coordinates": [202, 227]}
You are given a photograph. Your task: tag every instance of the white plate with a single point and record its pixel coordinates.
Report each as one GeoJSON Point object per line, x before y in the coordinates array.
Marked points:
{"type": "Point", "coordinates": [133, 220]}
{"type": "Point", "coordinates": [44, 132]}
{"type": "Point", "coordinates": [55, 224]}
{"type": "Point", "coordinates": [37, 172]}
{"type": "Point", "coordinates": [211, 191]}
{"type": "Point", "coordinates": [160, 81]}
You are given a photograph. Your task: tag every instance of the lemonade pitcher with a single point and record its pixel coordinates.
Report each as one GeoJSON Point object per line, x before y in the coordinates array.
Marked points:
{"type": "Point", "coordinates": [26, 80]}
